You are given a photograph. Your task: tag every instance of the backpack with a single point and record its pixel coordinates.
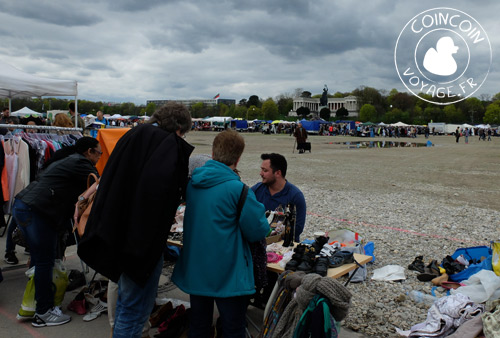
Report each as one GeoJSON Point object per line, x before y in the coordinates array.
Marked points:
{"type": "Point", "coordinates": [317, 321]}
{"type": "Point", "coordinates": [84, 204]}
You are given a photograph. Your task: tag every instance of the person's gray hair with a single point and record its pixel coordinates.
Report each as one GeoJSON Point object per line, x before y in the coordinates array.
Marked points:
{"type": "Point", "coordinates": [172, 117]}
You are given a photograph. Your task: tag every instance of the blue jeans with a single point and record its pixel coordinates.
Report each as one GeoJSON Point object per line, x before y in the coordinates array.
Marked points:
{"type": "Point", "coordinates": [135, 304]}
{"type": "Point", "coordinates": [42, 241]}
{"type": "Point", "coordinates": [232, 312]}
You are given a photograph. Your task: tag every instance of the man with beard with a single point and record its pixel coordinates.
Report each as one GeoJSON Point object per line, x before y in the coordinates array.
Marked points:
{"type": "Point", "coordinates": [275, 190]}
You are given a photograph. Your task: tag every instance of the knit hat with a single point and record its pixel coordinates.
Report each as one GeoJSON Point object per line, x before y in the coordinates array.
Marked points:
{"type": "Point", "coordinates": [293, 280]}
{"type": "Point", "coordinates": [196, 161]}
{"type": "Point", "coordinates": [338, 296]}
{"type": "Point", "coordinates": [307, 289]}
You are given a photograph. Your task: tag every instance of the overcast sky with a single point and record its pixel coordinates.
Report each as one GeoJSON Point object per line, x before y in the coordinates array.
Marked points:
{"type": "Point", "coordinates": [135, 50]}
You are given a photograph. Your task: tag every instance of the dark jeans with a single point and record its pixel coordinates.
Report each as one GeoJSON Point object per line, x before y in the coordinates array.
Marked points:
{"type": "Point", "coordinates": [42, 241]}
{"type": "Point", "coordinates": [232, 312]}
{"type": "Point", "coordinates": [10, 246]}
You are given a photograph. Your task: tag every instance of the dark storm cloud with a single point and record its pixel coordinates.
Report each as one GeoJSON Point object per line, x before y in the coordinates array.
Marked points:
{"type": "Point", "coordinates": [55, 12]}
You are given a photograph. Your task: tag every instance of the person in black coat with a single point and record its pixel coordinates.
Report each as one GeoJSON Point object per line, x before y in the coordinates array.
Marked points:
{"type": "Point", "coordinates": [138, 195]}
{"type": "Point", "coordinates": [42, 211]}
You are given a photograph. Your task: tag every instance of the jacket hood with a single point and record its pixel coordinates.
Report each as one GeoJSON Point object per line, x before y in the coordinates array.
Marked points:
{"type": "Point", "coordinates": [211, 174]}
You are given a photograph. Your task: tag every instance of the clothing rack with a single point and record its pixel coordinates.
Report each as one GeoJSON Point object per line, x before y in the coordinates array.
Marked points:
{"type": "Point", "coordinates": [24, 126]}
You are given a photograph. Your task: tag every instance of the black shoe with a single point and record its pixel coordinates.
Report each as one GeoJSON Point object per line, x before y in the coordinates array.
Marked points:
{"type": "Point", "coordinates": [296, 258]}
{"type": "Point", "coordinates": [321, 266]}
{"type": "Point", "coordinates": [10, 258]}
{"type": "Point", "coordinates": [307, 262]}
{"type": "Point", "coordinates": [417, 264]}
{"type": "Point", "coordinates": [319, 242]}
{"type": "Point", "coordinates": [340, 258]}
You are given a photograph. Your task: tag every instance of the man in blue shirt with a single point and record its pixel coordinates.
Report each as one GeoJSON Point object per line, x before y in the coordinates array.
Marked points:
{"type": "Point", "coordinates": [100, 118]}
{"type": "Point", "coordinates": [275, 190]}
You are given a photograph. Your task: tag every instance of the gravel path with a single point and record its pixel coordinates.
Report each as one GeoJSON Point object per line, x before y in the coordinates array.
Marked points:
{"type": "Point", "coordinates": [409, 201]}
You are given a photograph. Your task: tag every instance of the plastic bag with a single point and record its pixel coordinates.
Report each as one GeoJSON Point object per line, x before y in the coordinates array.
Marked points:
{"type": "Point", "coordinates": [59, 279]}
{"type": "Point", "coordinates": [344, 236]}
{"type": "Point", "coordinates": [495, 246]}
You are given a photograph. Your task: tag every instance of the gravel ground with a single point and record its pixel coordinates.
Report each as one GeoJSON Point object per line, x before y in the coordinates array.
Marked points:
{"type": "Point", "coordinates": [409, 201]}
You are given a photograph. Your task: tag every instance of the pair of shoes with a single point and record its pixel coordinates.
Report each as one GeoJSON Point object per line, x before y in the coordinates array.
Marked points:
{"type": "Point", "coordinates": [340, 258]}
{"type": "Point", "coordinates": [52, 317]}
{"type": "Point", "coordinates": [321, 266]}
{"type": "Point", "coordinates": [431, 271]}
{"type": "Point", "coordinates": [160, 315]}
{"type": "Point", "coordinates": [308, 259]}
{"type": "Point", "coordinates": [96, 311]}
{"type": "Point", "coordinates": [417, 264]}
{"type": "Point", "coordinates": [297, 256]}
{"type": "Point", "coordinates": [330, 249]}
{"type": "Point", "coordinates": [319, 243]}
{"type": "Point", "coordinates": [10, 258]}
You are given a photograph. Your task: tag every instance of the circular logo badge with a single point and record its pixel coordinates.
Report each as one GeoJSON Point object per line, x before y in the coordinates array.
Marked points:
{"type": "Point", "coordinates": [443, 52]}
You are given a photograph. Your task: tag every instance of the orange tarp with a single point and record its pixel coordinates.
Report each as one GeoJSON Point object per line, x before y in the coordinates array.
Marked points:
{"type": "Point", "coordinates": [108, 139]}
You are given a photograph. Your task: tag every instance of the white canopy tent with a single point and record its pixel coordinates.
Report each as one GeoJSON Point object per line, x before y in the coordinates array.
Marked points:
{"type": "Point", "coordinates": [15, 83]}
{"type": "Point", "coordinates": [25, 112]}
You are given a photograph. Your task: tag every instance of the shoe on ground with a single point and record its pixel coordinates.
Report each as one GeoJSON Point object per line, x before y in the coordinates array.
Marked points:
{"type": "Point", "coordinates": [52, 317]}
{"type": "Point", "coordinates": [165, 311]}
{"type": "Point", "coordinates": [440, 279]}
{"type": "Point", "coordinates": [96, 311]}
{"type": "Point", "coordinates": [417, 264]}
{"type": "Point", "coordinates": [10, 258]}
{"type": "Point", "coordinates": [25, 315]}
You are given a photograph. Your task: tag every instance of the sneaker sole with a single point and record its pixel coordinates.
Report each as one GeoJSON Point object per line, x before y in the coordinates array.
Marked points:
{"type": "Point", "coordinates": [19, 317]}
{"type": "Point", "coordinates": [49, 324]}
{"type": "Point", "coordinates": [10, 262]}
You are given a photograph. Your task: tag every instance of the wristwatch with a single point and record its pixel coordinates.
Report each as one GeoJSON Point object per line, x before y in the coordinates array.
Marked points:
{"type": "Point", "coordinates": [81, 198]}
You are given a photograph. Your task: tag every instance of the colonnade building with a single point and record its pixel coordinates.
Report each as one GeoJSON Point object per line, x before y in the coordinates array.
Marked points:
{"type": "Point", "coordinates": [189, 103]}
{"type": "Point", "coordinates": [349, 102]}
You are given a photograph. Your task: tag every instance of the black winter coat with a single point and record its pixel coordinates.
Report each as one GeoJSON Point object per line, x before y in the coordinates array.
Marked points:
{"type": "Point", "coordinates": [138, 195]}
{"type": "Point", "coordinates": [56, 191]}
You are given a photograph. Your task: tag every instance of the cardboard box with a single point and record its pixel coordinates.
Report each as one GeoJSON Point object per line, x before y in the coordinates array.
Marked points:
{"type": "Point", "coordinates": [273, 239]}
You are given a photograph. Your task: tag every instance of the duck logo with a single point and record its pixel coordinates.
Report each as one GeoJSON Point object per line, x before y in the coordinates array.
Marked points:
{"type": "Point", "coordinates": [443, 53]}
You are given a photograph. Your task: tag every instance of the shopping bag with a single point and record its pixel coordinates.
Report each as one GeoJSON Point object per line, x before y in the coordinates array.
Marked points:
{"type": "Point", "coordinates": [60, 281]}
{"type": "Point", "coordinates": [495, 246]}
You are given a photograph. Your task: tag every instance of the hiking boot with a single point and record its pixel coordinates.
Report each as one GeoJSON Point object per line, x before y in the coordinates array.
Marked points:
{"type": "Point", "coordinates": [10, 258]}
{"type": "Point", "coordinates": [321, 266]}
{"type": "Point", "coordinates": [307, 262]}
{"type": "Point", "coordinates": [319, 243]}
{"type": "Point", "coordinates": [296, 258]}
{"type": "Point", "coordinates": [52, 317]}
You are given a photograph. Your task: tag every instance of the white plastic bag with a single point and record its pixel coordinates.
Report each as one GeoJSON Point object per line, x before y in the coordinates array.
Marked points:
{"type": "Point", "coordinates": [389, 273]}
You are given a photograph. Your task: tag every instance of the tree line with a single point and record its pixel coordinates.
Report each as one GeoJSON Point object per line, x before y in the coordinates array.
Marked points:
{"type": "Point", "coordinates": [374, 106]}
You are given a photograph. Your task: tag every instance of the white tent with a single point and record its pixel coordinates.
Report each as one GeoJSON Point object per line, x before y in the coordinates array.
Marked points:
{"type": "Point", "coordinates": [25, 112]}
{"type": "Point", "coordinates": [15, 83]}
{"type": "Point", "coordinates": [465, 125]}
{"type": "Point", "coordinates": [400, 124]}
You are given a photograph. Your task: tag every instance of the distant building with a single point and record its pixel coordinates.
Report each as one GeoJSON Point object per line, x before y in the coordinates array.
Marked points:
{"type": "Point", "coordinates": [189, 103]}
{"type": "Point", "coordinates": [334, 104]}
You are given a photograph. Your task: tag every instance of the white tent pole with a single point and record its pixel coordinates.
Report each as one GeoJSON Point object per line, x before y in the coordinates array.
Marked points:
{"type": "Point", "coordinates": [76, 111]}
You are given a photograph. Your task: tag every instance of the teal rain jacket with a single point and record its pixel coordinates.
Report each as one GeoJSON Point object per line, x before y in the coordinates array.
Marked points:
{"type": "Point", "coordinates": [215, 260]}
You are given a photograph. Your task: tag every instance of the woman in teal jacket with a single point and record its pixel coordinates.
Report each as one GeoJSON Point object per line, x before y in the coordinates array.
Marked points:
{"type": "Point", "coordinates": [215, 263]}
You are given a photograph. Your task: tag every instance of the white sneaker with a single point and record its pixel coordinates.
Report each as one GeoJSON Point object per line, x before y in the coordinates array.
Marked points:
{"type": "Point", "coordinates": [96, 311]}
{"type": "Point", "coordinates": [52, 317]}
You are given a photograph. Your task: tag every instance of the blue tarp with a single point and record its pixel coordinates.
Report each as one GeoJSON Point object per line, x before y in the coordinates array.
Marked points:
{"type": "Point", "coordinates": [241, 124]}
{"type": "Point", "coordinates": [312, 126]}
{"type": "Point", "coordinates": [351, 124]}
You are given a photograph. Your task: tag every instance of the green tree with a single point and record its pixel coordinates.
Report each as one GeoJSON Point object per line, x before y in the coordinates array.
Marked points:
{"type": "Point", "coordinates": [435, 113]}
{"type": "Point", "coordinates": [285, 104]}
{"type": "Point", "coordinates": [303, 112]}
{"type": "Point", "coordinates": [240, 111]}
{"type": "Point", "coordinates": [223, 109]}
{"type": "Point", "coordinates": [270, 110]}
{"type": "Point", "coordinates": [495, 97]}
{"type": "Point", "coordinates": [453, 115]}
{"type": "Point", "coordinates": [325, 114]}
{"type": "Point", "coordinates": [338, 95]}
{"type": "Point", "coordinates": [492, 114]}
{"type": "Point", "coordinates": [253, 113]}
{"type": "Point", "coordinates": [473, 109]}
{"type": "Point", "coordinates": [150, 108]}
{"type": "Point", "coordinates": [254, 101]}
{"type": "Point", "coordinates": [342, 112]}
{"type": "Point", "coordinates": [367, 113]}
